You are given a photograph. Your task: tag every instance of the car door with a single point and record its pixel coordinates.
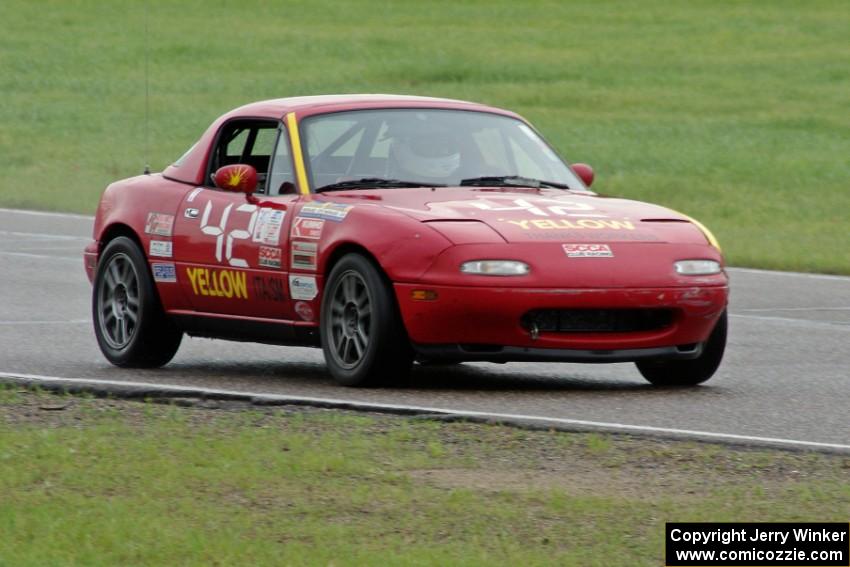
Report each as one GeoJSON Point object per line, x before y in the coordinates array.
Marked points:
{"type": "Point", "coordinates": [229, 251]}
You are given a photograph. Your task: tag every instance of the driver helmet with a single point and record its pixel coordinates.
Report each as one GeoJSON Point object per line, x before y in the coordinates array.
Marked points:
{"type": "Point", "coordinates": [432, 154]}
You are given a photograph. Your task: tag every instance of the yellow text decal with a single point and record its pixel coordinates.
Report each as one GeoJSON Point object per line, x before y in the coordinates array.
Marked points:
{"type": "Point", "coordinates": [562, 224]}
{"type": "Point", "coordinates": [218, 283]}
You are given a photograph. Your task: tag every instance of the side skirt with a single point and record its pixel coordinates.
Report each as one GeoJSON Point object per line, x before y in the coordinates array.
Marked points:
{"type": "Point", "coordinates": [285, 333]}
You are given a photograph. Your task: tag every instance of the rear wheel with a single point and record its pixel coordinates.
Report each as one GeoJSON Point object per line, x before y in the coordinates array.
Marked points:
{"type": "Point", "coordinates": [673, 373]}
{"type": "Point", "coordinates": [129, 323]}
{"type": "Point", "coordinates": [363, 338]}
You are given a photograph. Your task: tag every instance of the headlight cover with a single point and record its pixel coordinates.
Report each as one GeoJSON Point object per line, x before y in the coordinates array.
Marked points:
{"type": "Point", "coordinates": [495, 268]}
{"type": "Point", "coordinates": [697, 267]}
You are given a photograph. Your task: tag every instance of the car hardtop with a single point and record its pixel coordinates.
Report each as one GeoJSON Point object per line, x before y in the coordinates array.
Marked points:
{"type": "Point", "coordinates": [192, 166]}
{"type": "Point", "coordinates": [320, 104]}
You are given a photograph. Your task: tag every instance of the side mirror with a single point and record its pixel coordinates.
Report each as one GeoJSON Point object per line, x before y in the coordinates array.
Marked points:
{"type": "Point", "coordinates": [585, 172]}
{"type": "Point", "coordinates": [239, 178]}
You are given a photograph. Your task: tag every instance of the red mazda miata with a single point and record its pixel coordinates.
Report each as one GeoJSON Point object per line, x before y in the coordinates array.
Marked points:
{"type": "Point", "coordinates": [394, 229]}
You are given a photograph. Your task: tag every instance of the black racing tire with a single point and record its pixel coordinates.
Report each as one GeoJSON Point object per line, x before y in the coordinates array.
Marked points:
{"type": "Point", "coordinates": [682, 373]}
{"type": "Point", "coordinates": [363, 337]}
{"type": "Point", "coordinates": [129, 323]}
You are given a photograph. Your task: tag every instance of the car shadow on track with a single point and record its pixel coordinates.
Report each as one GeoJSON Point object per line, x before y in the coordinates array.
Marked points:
{"type": "Point", "coordinates": [277, 376]}
{"type": "Point", "coordinates": [511, 378]}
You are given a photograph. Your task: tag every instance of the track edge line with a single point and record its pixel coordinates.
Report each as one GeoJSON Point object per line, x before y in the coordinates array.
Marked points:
{"type": "Point", "coordinates": [137, 390]}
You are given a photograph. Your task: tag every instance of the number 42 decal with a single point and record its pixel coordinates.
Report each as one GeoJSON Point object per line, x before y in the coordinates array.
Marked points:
{"type": "Point", "coordinates": [235, 234]}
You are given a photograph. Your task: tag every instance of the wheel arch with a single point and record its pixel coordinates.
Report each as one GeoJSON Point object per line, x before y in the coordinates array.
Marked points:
{"type": "Point", "coordinates": [342, 249]}
{"type": "Point", "coordinates": [155, 339]}
{"type": "Point", "coordinates": [115, 230]}
{"type": "Point", "coordinates": [388, 333]}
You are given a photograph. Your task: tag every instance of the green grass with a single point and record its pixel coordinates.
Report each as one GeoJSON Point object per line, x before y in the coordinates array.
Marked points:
{"type": "Point", "coordinates": [734, 112]}
{"type": "Point", "coordinates": [105, 482]}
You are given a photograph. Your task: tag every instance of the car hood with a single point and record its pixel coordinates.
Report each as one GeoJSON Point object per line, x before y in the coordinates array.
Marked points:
{"type": "Point", "coordinates": [520, 215]}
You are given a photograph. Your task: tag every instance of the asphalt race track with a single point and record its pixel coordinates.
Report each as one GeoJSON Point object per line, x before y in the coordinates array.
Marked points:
{"type": "Point", "coordinates": [786, 374]}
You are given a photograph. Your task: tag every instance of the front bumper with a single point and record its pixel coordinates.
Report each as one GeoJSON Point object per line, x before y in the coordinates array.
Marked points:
{"type": "Point", "coordinates": [490, 353]}
{"type": "Point", "coordinates": [90, 259]}
{"type": "Point", "coordinates": [484, 323]}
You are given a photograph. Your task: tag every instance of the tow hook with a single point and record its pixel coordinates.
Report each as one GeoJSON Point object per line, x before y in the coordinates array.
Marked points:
{"type": "Point", "coordinates": [535, 332]}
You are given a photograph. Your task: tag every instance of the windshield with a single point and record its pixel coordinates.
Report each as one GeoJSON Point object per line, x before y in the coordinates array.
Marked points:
{"type": "Point", "coordinates": [430, 147]}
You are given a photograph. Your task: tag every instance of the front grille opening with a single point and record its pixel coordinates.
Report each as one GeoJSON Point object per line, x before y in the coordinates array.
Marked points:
{"type": "Point", "coordinates": [597, 320]}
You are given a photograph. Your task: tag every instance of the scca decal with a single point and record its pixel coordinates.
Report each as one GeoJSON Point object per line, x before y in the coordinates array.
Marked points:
{"type": "Point", "coordinates": [269, 257]}
{"type": "Point", "coordinates": [218, 283]}
{"type": "Point", "coordinates": [562, 224]}
{"type": "Point", "coordinates": [588, 251]}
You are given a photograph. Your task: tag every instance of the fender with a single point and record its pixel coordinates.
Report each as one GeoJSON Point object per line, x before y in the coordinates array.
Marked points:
{"type": "Point", "coordinates": [130, 203]}
{"type": "Point", "coordinates": [405, 248]}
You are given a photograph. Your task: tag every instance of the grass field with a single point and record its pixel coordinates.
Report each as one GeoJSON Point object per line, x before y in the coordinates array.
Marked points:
{"type": "Point", "coordinates": [107, 482]}
{"type": "Point", "coordinates": [735, 112]}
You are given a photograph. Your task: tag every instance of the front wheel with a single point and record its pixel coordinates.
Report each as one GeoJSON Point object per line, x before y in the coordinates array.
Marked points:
{"type": "Point", "coordinates": [129, 323]}
{"type": "Point", "coordinates": [363, 337]}
{"type": "Point", "coordinates": [672, 373]}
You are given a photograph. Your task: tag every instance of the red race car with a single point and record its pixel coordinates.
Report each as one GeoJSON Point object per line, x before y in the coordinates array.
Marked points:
{"type": "Point", "coordinates": [390, 229]}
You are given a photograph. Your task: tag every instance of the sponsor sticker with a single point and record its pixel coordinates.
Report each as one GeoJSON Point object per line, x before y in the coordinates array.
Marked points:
{"type": "Point", "coordinates": [268, 288]}
{"type": "Point", "coordinates": [195, 192]}
{"type": "Point", "coordinates": [270, 257]}
{"type": "Point", "coordinates": [328, 211]}
{"type": "Point", "coordinates": [307, 228]}
{"type": "Point", "coordinates": [267, 228]}
{"type": "Point", "coordinates": [304, 311]}
{"type": "Point", "coordinates": [588, 251]}
{"type": "Point", "coordinates": [229, 284]}
{"type": "Point", "coordinates": [164, 272]}
{"type": "Point", "coordinates": [161, 248]}
{"type": "Point", "coordinates": [304, 256]}
{"type": "Point", "coordinates": [159, 224]}
{"type": "Point", "coordinates": [303, 287]}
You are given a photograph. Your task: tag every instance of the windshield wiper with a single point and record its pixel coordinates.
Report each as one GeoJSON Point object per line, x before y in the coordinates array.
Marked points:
{"type": "Point", "coordinates": [373, 182]}
{"type": "Point", "coordinates": [511, 181]}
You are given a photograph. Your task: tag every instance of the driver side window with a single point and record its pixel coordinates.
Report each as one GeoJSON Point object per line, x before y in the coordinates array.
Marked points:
{"type": "Point", "coordinates": [245, 141]}
{"type": "Point", "coordinates": [282, 176]}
